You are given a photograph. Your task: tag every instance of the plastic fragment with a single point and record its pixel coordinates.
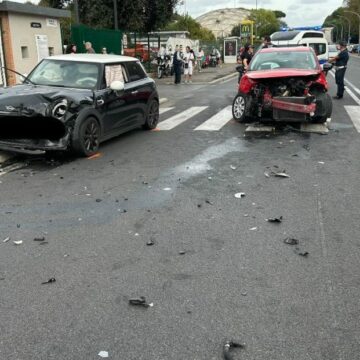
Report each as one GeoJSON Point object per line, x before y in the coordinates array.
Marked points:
{"type": "Point", "coordinates": [232, 167]}
{"type": "Point", "coordinates": [321, 162]}
{"type": "Point", "coordinates": [182, 252]}
{"type": "Point", "coordinates": [39, 239]}
{"type": "Point", "coordinates": [50, 281]}
{"type": "Point", "coordinates": [280, 174]}
{"type": "Point", "coordinates": [253, 228]}
{"type": "Point", "coordinates": [141, 301]}
{"type": "Point", "coordinates": [150, 242]}
{"type": "Point", "coordinates": [228, 346]}
{"type": "Point", "coordinates": [275, 220]}
{"type": "Point", "coordinates": [103, 354]}
{"type": "Point", "coordinates": [167, 189]}
{"type": "Point", "coordinates": [267, 174]}
{"type": "Point", "coordinates": [301, 252]}
{"type": "Point", "coordinates": [18, 242]}
{"type": "Point", "coordinates": [291, 241]}
{"type": "Point", "coordinates": [6, 240]}
{"type": "Point", "coordinates": [209, 202]}
{"type": "Point", "coordinates": [98, 200]}
{"type": "Point", "coordinates": [239, 195]}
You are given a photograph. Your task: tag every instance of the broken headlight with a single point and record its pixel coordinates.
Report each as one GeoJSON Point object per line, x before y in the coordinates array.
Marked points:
{"type": "Point", "coordinates": [59, 109]}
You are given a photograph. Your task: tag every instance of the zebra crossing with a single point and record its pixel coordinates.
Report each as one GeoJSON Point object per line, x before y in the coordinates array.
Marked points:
{"type": "Point", "coordinates": [215, 123]}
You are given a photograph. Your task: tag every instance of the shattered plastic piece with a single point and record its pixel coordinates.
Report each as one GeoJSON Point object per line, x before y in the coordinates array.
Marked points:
{"type": "Point", "coordinates": [227, 349]}
{"type": "Point", "coordinates": [6, 240]}
{"type": "Point", "coordinates": [141, 301]}
{"type": "Point", "coordinates": [98, 200]}
{"type": "Point", "coordinates": [321, 162]}
{"type": "Point", "coordinates": [244, 293]}
{"type": "Point", "coordinates": [275, 220]}
{"type": "Point", "coordinates": [232, 167]}
{"type": "Point", "coordinates": [167, 189]}
{"type": "Point", "coordinates": [301, 252]}
{"type": "Point", "coordinates": [145, 183]}
{"type": "Point", "coordinates": [182, 252]}
{"type": "Point", "coordinates": [291, 241]}
{"type": "Point", "coordinates": [150, 242]}
{"type": "Point", "coordinates": [209, 202]}
{"type": "Point", "coordinates": [18, 242]}
{"type": "Point", "coordinates": [253, 229]}
{"type": "Point", "coordinates": [306, 147]}
{"type": "Point", "coordinates": [239, 195]}
{"type": "Point", "coordinates": [267, 174]}
{"type": "Point", "coordinates": [210, 178]}
{"type": "Point", "coordinates": [39, 239]}
{"type": "Point", "coordinates": [103, 354]}
{"type": "Point", "coordinates": [280, 174]}
{"type": "Point", "coordinates": [50, 281]}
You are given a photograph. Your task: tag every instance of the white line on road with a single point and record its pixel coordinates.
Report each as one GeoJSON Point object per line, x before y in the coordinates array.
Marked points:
{"type": "Point", "coordinates": [217, 121]}
{"type": "Point", "coordinates": [180, 118]}
{"type": "Point", "coordinates": [355, 98]}
{"type": "Point", "coordinates": [164, 110]}
{"type": "Point", "coordinates": [354, 114]}
{"type": "Point", "coordinates": [353, 86]}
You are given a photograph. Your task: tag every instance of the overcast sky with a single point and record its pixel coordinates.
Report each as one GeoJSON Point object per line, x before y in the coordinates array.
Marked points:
{"type": "Point", "coordinates": [298, 12]}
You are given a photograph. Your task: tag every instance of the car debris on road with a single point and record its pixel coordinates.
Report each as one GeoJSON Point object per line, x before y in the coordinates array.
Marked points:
{"type": "Point", "coordinates": [141, 301]}
{"type": "Point", "coordinates": [228, 346]}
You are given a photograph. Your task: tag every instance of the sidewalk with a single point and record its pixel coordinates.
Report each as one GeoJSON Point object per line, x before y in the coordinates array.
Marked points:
{"type": "Point", "coordinates": [206, 76]}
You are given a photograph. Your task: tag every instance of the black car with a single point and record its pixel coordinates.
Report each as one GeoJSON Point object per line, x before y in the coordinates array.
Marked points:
{"type": "Point", "coordinates": [74, 102]}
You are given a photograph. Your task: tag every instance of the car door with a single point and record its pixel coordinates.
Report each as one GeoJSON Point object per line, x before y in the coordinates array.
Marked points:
{"type": "Point", "coordinates": [140, 88]}
{"type": "Point", "coordinates": [116, 107]}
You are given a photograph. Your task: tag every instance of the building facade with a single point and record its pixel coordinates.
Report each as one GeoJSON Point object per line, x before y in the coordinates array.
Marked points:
{"type": "Point", "coordinates": [29, 33]}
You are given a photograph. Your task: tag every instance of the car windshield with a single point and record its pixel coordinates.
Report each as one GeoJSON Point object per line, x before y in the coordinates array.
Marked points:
{"type": "Point", "coordinates": [283, 60]}
{"type": "Point", "coordinates": [64, 73]}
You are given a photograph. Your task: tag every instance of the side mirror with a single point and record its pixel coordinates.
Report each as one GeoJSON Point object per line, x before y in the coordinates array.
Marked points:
{"type": "Point", "coordinates": [117, 86]}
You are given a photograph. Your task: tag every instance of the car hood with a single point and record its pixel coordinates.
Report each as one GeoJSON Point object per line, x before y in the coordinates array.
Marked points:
{"type": "Point", "coordinates": [280, 73]}
{"type": "Point", "coordinates": [29, 100]}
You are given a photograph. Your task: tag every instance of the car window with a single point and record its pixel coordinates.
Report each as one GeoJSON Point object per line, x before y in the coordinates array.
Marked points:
{"type": "Point", "coordinates": [114, 72]}
{"type": "Point", "coordinates": [319, 49]}
{"type": "Point", "coordinates": [65, 73]}
{"type": "Point", "coordinates": [284, 60]}
{"type": "Point", "coordinates": [135, 71]}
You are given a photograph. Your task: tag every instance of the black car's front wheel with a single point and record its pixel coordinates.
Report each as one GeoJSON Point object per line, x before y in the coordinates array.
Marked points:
{"type": "Point", "coordinates": [152, 115]}
{"type": "Point", "coordinates": [239, 108]}
{"type": "Point", "coordinates": [86, 137]}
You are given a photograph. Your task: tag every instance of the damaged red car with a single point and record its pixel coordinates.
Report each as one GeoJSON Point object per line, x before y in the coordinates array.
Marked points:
{"type": "Point", "coordinates": [284, 85]}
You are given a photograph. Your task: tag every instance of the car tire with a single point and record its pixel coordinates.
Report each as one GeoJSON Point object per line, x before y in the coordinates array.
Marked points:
{"type": "Point", "coordinates": [328, 109]}
{"type": "Point", "coordinates": [239, 108]}
{"type": "Point", "coordinates": [152, 115]}
{"type": "Point", "coordinates": [86, 137]}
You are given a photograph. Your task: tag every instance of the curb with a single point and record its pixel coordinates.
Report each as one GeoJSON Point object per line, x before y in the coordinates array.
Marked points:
{"type": "Point", "coordinates": [223, 78]}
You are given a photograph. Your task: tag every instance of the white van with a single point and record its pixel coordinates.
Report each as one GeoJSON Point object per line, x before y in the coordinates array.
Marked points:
{"type": "Point", "coordinates": [314, 39]}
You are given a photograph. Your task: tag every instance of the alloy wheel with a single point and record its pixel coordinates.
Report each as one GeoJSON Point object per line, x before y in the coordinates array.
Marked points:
{"type": "Point", "coordinates": [239, 107]}
{"type": "Point", "coordinates": [91, 136]}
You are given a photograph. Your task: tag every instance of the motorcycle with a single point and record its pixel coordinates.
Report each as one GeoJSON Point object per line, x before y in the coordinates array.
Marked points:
{"type": "Point", "coordinates": [213, 60]}
{"type": "Point", "coordinates": [164, 66]}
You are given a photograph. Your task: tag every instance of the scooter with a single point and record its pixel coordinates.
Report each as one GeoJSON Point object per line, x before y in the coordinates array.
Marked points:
{"type": "Point", "coordinates": [213, 61]}
{"type": "Point", "coordinates": [164, 66]}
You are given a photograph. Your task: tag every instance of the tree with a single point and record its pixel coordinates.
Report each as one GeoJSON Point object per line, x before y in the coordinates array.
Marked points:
{"type": "Point", "coordinates": [182, 23]}
{"type": "Point", "coordinates": [279, 14]}
{"type": "Point", "coordinates": [57, 4]}
{"type": "Point", "coordinates": [266, 21]}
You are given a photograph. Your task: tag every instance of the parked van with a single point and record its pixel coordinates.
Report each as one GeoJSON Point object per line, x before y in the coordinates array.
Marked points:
{"type": "Point", "coordinates": [314, 39]}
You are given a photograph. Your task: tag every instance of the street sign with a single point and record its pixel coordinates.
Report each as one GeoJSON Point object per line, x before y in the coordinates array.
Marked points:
{"type": "Point", "coordinates": [247, 30]}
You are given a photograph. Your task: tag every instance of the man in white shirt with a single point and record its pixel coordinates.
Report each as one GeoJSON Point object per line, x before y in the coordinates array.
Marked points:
{"type": "Point", "coordinates": [189, 64]}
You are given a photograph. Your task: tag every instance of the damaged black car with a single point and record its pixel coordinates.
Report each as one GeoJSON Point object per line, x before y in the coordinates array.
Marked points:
{"type": "Point", "coordinates": [75, 102]}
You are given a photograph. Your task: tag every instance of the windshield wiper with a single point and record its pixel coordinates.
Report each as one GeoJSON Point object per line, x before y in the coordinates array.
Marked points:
{"type": "Point", "coordinates": [16, 72]}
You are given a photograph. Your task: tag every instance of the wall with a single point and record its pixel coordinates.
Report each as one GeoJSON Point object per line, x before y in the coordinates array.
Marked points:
{"type": "Point", "coordinates": [23, 35]}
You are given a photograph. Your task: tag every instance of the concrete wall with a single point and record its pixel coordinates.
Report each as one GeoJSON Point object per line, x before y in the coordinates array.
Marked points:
{"type": "Point", "coordinates": [23, 35]}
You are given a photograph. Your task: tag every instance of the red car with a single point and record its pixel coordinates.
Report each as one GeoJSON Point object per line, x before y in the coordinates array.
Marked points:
{"type": "Point", "coordinates": [284, 84]}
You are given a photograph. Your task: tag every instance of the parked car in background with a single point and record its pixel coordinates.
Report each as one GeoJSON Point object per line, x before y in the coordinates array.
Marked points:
{"type": "Point", "coordinates": [284, 85]}
{"type": "Point", "coordinates": [333, 51]}
{"type": "Point", "coordinates": [356, 49]}
{"type": "Point", "coordinates": [74, 102]}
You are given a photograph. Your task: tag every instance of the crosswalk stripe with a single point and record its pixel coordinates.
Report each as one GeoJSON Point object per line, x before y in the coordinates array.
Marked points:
{"type": "Point", "coordinates": [217, 121]}
{"type": "Point", "coordinates": [164, 110]}
{"type": "Point", "coordinates": [180, 118]}
{"type": "Point", "coordinates": [354, 114]}
{"type": "Point", "coordinates": [353, 86]}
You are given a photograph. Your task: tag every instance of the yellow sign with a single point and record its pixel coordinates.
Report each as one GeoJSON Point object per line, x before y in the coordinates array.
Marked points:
{"type": "Point", "coordinates": [247, 30]}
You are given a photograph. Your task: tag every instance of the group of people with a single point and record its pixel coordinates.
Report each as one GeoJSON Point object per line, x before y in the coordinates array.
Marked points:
{"type": "Point", "coordinates": [184, 60]}
{"type": "Point", "coordinates": [72, 49]}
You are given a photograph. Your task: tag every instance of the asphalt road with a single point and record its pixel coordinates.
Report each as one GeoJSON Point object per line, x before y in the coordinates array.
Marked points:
{"type": "Point", "coordinates": [237, 278]}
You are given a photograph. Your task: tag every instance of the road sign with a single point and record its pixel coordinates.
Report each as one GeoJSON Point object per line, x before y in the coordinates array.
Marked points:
{"type": "Point", "coordinates": [247, 30]}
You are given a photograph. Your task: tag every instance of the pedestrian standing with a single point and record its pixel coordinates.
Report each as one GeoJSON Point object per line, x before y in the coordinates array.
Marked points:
{"type": "Point", "coordinates": [188, 64]}
{"type": "Point", "coordinates": [89, 48]}
{"type": "Point", "coordinates": [71, 49]}
{"type": "Point", "coordinates": [200, 58]}
{"type": "Point", "coordinates": [177, 63]}
{"type": "Point", "coordinates": [247, 55]}
{"type": "Point", "coordinates": [340, 61]}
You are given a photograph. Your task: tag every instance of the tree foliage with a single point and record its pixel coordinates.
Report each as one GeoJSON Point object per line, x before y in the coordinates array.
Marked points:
{"type": "Point", "coordinates": [187, 23]}
{"type": "Point", "coordinates": [266, 21]}
{"type": "Point", "coordinates": [279, 14]}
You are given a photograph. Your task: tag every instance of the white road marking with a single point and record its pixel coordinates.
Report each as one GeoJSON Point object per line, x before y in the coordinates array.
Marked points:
{"type": "Point", "coordinates": [355, 98]}
{"type": "Point", "coordinates": [11, 168]}
{"type": "Point", "coordinates": [353, 86]}
{"type": "Point", "coordinates": [217, 121]}
{"type": "Point", "coordinates": [180, 118]}
{"type": "Point", "coordinates": [164, 110]}
{"type": "Point", "coordinates": [354, 114]}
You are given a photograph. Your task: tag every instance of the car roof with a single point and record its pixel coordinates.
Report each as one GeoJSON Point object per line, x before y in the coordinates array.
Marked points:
{"type": "Point", "coordinates": [286, 49]}
{"type": "Point", "coordinates": [93, 58]}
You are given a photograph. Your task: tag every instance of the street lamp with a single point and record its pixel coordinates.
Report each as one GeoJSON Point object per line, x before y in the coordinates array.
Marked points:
{"type": "Point", "coordinates": [343, 17]}
{"type": "Point", "coordinates": [358, 15]}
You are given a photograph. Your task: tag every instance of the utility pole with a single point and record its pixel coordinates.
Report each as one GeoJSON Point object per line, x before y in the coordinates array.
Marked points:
{"type": "Point", "coordinates": [76, 8]}
{"type": "Point", "coordinates": [116, 21]}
